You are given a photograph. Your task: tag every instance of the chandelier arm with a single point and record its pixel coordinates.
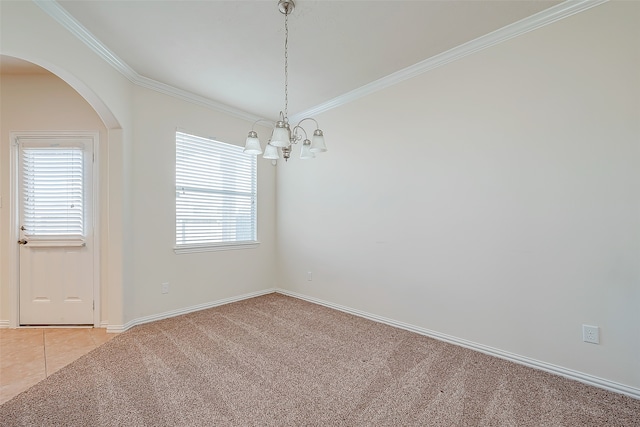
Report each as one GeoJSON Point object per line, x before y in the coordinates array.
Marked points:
{"type": "Point", "coordinates": [294, 135]}
{"type": "Point", "coordinates": [271, 122]}
{"type": "Point", "coordinates": [309, 118]}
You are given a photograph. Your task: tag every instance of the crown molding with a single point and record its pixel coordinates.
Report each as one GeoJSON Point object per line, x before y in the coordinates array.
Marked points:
{"type": "Point", "coordinates": [194, 99]}
{"type": "Point", "coordinates": [533, 22]}
{"type": "Point", "coordinates": [64, 18]}
{"type": "Point", "coordinates": [57, 12]}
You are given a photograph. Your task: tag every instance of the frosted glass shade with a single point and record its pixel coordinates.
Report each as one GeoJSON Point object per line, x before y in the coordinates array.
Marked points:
{"type": "Point", "coordinates": [281, 136]}
{"type": "Point", "coordinates": [317, 142]}
{"type": "Point", "coordinates": [252, 146]}
{"type": "Point", "coordinates": [271, 152]}
{"type": "Point", "coordinates": [305, 152]}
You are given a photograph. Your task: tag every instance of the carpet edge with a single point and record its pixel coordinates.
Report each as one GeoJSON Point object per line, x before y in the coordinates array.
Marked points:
{"type": "Point", "coordinates": [186, 310]}
{"type": "Point", "coordinates": [512, 357]}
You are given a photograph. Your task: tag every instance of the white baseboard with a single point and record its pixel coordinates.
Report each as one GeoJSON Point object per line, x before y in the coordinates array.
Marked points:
{"type": "Point", "coordinates": [186, 310]}
{"type": "Point", "coordinates": [522, 360]}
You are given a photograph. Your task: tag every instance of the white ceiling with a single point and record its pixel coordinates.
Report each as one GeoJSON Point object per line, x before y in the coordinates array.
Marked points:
{"type": "Point", "coordinates": [232, 51]}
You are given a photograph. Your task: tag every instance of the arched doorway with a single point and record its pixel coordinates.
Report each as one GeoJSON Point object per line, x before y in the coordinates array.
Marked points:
{"type": "Point", "coordinates": [40, 108]}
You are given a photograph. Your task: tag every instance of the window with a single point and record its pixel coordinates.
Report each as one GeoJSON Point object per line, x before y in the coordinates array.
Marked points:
{"type": "Point", "coordinates": [52, 187]}
{"type": "Point", "coordinates": [215, 195]}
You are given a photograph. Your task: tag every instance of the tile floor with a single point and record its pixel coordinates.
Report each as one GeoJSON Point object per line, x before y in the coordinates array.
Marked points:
{"type": "Point", "coordinates": [29, 355]}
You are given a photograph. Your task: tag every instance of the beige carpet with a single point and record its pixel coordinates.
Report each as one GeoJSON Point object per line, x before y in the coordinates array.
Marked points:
{"type": "Point", "coordinates": [279, 361]}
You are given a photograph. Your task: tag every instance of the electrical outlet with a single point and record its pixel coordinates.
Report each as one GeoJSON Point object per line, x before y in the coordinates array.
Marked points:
{"type": "Point", "coordinates": [309, 276]}
{"type": "Point", "coordinates": [591, 334]}
{"type": "Point", "coordinates": [165, 288]}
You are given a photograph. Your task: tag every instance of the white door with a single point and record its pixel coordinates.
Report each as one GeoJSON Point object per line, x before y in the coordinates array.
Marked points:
{"type": "Point", "coordinates": [56, 230]}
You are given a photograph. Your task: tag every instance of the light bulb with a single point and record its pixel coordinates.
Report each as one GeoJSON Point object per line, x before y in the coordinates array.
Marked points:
{"type": "Point", "coordinates": [271, 152]}
{"type": "Point", "coordinates": [281, 136]}
{"type": "Point", "coordinates": [317, 144]}
{"type": "Point", "coordinates": [305, 152]}
{"type": "Point", "coordinates": [252, 146]}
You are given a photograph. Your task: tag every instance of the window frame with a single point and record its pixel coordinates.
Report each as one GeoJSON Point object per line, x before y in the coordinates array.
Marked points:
{"type": "Point", "coordinates": [215, 245]}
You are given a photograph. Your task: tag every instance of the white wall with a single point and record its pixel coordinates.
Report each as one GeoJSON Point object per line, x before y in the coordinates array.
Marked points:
{"type": "Point", "coordinates": [139, 183]}
{"type": "Point", "coordinates": [193, 278]}
{"type": "Point", "coordinates": [495, 199]}
{"type": "Point", "coordinates": [28, 33]}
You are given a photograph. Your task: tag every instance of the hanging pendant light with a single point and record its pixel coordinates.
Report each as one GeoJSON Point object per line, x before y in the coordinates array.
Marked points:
{"type": "Point", "coordinates": [252, 146]}
{"type": "Point", "coordinates": [283, 135]}
{"type": "Point", "coordinates": [305, 151]}
{"type": "Point", "coordinates": [270, 152]}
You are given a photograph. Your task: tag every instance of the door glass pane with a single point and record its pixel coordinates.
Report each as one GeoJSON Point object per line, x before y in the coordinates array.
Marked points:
{"type": "Point", "coordinates": [53, 195]}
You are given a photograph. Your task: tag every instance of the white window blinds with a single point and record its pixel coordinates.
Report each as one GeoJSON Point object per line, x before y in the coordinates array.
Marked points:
{"type": "Point", "coordinates": [53, 195]}
{"type": "Point", "coordinates": [215, 193]}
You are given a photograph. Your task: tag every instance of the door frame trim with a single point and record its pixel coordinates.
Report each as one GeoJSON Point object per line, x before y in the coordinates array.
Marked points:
{"type": "Point", "coordinates": [14, 257]}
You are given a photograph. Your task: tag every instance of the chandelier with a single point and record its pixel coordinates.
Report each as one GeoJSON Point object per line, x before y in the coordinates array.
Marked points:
{"type": "Point", "coordinates": [283, 136]}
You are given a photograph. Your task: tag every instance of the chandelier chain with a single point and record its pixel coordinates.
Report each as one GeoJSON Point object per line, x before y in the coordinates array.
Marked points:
{"type": "Point", "coordinates": [286, 65]}
{"type": "Point", "coordinates": [284, 135]}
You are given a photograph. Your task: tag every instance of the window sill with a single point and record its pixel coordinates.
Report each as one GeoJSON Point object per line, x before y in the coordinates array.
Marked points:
{"type": "Point", "coordinates": [212, 247]}
{"type": "Point", "coordinates": [55, 243]}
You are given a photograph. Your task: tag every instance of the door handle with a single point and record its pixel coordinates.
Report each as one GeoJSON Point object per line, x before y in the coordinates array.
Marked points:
{"type": "Point", "coordinates": [23, 241]}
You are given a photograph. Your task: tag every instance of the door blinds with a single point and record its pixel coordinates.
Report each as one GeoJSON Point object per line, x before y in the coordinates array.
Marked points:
{"type": "Point", "coordinates": [53, 194]}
